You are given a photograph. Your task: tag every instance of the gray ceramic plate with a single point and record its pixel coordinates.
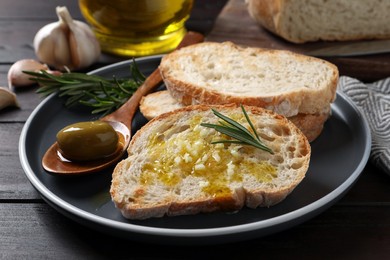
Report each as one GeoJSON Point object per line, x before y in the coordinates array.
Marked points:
{"type": "Point", "coordinates": [338, 157]}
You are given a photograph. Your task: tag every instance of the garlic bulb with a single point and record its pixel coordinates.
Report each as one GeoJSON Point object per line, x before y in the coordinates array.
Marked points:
{"type": "Point", "coordinates": [66, 44]}
{"type": "Point", "coordinates": [16, 77]}
{"type": "Point", "coordinates": [7, 98]}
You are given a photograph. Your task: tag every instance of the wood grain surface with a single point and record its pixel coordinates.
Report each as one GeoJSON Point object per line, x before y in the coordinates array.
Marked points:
{"type": "Point", "coordinates": [356, 227]}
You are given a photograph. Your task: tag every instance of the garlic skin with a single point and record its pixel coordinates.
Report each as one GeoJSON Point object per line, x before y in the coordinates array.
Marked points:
{"type": "Point", "coordinates": [66, 44]}
{"type": "Point", "coordinates": [16, 77]}
{"type": "Point", "coordinates": [7, 98]}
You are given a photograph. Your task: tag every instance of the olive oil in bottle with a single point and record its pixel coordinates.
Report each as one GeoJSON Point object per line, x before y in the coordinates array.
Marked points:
{"type": "Point", "coordinates": [137, 27]}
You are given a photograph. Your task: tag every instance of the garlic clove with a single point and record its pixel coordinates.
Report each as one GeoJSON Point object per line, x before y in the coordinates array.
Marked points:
{"type": "Point", "coordinates": [51, 45]}
{"type": "Point", "coordinates": [83, 46]}
{"type": "Point", "coordinates": [7, 98]}
{"type": "Point", "coordinates": [17, 78]}
{"type": "Point", "coordinates": [67, 43]}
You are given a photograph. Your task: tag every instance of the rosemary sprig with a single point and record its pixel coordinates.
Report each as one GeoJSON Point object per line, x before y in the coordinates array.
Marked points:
{"type": "Point", "coordinates": [237, 131]}
{"type": "Point", "coordinates": [102, 94]}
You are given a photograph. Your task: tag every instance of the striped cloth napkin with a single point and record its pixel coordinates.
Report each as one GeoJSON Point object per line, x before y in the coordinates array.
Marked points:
{"type": "Point", "coordinates": [374, 101]}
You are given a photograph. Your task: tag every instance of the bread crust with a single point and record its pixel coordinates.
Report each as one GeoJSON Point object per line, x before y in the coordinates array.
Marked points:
{"type": "Point", "coordinates": [161, 102]}
{"type": "Point", "coordinates": [301, 99]}
{"type": "Point", "coordinates": [132, 196]}
{"type": "Point", "coordinates": [157, 103]}
{"type": "Point", "coordinates": [310, 124]}
{"type": "Point", "coordinates": [266, 13]}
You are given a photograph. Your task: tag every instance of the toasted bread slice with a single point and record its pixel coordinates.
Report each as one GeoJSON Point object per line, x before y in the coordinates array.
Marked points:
{"type": "Point", "coordinates": [173, 168]}
{"type": "Point", "coordinates": [160, 102]}
{"type": "Point", "coordinates": [223, 73]}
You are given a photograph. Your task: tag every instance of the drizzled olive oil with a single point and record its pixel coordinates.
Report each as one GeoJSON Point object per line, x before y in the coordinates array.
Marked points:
{"type": "Point", "coordinates": [137, 27]}
{"type": "Point", "coordinates": [189, 152]}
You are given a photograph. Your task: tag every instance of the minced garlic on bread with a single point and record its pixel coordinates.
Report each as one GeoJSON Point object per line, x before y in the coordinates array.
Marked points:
{"type": "Point", "coordinates": [173, 169]}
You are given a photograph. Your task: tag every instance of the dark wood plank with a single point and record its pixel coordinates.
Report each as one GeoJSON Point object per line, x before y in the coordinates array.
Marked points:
{"type": "Point", "coordinates": [36, 231]}
{"type": "Point", "coordinates": [18, 43]}
{"type": "Point", "coordinates": [18, 25]}
{"type": "Point", "coordinates": [356, 227]}
{"type": "Point", "coordinates": [38, 10]}
{"type": "Point", "coordinates": [14, 184]}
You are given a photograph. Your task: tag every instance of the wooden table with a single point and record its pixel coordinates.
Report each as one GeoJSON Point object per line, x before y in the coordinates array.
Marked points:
{"type": "Point", "coordinates": [356, 227]}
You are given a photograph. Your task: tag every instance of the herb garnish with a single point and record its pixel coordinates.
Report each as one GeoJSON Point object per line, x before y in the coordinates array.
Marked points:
{"type": "Point", "coordinates": [237, 131]}
{"type": "Point", "coordinates": [102, 94]}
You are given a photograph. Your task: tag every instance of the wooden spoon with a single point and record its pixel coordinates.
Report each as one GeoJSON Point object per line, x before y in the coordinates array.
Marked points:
{"type": "Point", "coordinates": [121, 119]}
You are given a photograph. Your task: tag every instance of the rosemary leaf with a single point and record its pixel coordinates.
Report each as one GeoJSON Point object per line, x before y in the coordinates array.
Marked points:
{"type": "Point", "coordinates": [105, 95]}
{"type": "Point", "coordinates": [231, 122]}
{"type": "Point", "coordinates": [240, 133]}
{"type": "Point", "coordinates": [123, 89]}
{"type": "Point", "coordinates": [249, 122]}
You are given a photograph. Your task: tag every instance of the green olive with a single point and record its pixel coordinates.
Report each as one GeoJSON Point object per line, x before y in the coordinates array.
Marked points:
{"type": "Point", "coordinates": [86, 141]}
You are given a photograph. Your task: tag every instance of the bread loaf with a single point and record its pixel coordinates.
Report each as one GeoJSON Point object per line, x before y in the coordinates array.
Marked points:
{"type": "Point", "coordinates": [173, 168]}
{"type": "Point", "coordinates": [301, 21]}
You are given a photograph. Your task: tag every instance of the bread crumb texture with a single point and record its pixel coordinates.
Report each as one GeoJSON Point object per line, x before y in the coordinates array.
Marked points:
{"type": "Point", "coordinates": [173, 169]}
{"type": "Point", "coordinates": [249, 71]}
